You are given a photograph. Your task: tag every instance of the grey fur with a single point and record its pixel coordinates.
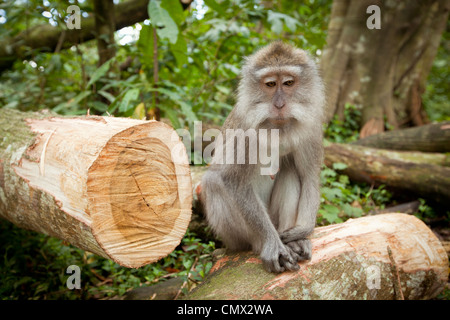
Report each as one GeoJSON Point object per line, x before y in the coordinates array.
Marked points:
{"type": "Point", "coordinates": [249, 211]}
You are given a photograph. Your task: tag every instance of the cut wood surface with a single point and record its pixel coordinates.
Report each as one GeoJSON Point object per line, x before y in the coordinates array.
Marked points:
{"type": "Point", "coordinates": [117, 187]}
{"type": "Point", "coordinates": [389, 256]}
{"type": "Point", "coordinates": [433, 137]}
{"type": "Point", "coordinates": [410, 171]}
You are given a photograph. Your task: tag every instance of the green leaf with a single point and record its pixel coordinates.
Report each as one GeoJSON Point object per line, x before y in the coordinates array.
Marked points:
{"type": "Point", "coordinates": [175, 9]}
{"type": "Point", "coordinates": [145, 45]}
{"type": "Point", "coordinates": [275, 20]}
{"type": "Point", "coordinates": [166, 28]}
{"type": "Point", "coordinates": [131, 95]}
{"type": "Point", "coordinates": [173, 117]}
{"type": "Point", "coordinates": [352, 211]}
{"type": "Point", "coordinates": [339, 166]}
{"type": "Point", "coordinates": [331, 193]}
{"type": "Point", "coordinates": [330, 213]}
{"type": "Point", "coordinates": [214, 5]}
{"type": "Point", "coordinates": [186, 108]}
{"type": "Point", "coordinates": [107, 95]}
{"type": "Point", "coordinates": [179, 51]}
{"type": "Point", "coordinates": [100, 72]}
{"type": "Point", "coordinates": [72, 102]}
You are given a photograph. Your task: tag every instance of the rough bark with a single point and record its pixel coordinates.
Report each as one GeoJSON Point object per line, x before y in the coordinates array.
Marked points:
{"type": "Point", "coordinates": [116, 187]}
{"type": "Point", "coordinates": [381, 70]}
{"type": "Point", "coordinates": [408, 171]}
{"type": "Point", "coordinates": [349, 261]}
{"type": "Point", "coordinates": [427, 138]}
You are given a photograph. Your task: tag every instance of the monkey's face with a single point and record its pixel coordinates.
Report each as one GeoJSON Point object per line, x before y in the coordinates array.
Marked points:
{"type": "Point", "coordinates": [279, 89]}
{"type": "Point", "coordinates": [284, 98]}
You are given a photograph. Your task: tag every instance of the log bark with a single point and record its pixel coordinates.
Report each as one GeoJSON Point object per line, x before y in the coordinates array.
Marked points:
{"type": "Point", "coordinates": [408, 171]}
{"type": "Point", "coordinates": [349, 261]}
{"type": "Point", "coordinates": [116, 187]}
{"type": "Point", "coordinates": [433, 137]}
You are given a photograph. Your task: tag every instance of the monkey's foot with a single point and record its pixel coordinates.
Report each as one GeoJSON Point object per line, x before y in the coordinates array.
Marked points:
{"type": "Point", "coordinates": [300, 249]}
{"type": "Point", "coordinates": [277, 257]}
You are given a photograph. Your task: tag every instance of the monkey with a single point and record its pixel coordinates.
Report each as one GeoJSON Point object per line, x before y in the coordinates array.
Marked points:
{"type": "Point", "coordinates": [272, 214]}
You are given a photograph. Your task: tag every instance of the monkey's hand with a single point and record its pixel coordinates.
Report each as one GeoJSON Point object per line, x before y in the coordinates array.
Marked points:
{"type": "Point", "coordinates": [301, 249]}
{"type": "Point", "coordinates": [276, 257]}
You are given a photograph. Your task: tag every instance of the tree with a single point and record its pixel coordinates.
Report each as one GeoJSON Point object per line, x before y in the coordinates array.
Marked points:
{"type": "Point", "coordinates": [378, 56]}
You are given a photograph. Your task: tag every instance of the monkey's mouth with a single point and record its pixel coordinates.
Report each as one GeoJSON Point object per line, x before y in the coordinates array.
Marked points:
{"type": "Point", "coordinates": [279, 121]}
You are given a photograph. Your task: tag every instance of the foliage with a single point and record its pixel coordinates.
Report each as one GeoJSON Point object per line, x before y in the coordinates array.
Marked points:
{"type": "Point", "coordinates": [34, 265]}
{"type": "Point", "coordinates": [199, 55]}
{"type": "Point", "coordinates": [347, 130]}
{"type": "Point", "coordinates": [341, 199]}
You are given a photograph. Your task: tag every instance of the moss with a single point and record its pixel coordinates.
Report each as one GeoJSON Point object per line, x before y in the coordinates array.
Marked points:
{"type": "Point", "coordinates": [342, 277]}
{"type": "Point", "coordinates": [14, 131]}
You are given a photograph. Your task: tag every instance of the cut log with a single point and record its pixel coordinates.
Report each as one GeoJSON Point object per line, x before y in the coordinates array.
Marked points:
{"type": "Point", "coordinates": [117, 187]}
{"type": "Point", "coordinates": [389, 256]}
{"type": "Point", "coordinates": [428, 138]}
{"type": "Point", "coordinates": [400, 170]}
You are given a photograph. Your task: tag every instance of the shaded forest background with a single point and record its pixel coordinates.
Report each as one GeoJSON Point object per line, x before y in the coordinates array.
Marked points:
{"type": "Point", "coordinates": [178, 61]}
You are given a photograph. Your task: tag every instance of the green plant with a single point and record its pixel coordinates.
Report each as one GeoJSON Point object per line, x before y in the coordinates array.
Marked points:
{"type": "Point", "coordinates": [344, 131]}
{"type": "Point", "coordinates": [341, 199]}
{"type": "Point", "coordinates": [34, 265]}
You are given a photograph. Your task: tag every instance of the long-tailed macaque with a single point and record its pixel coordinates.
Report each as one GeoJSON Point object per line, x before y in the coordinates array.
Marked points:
{"type": "Point", "coordinates": [280, 90]}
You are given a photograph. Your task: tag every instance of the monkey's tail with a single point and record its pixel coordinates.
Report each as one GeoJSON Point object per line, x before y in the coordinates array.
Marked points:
{"type": "Point", "coordinates": [296, 233]}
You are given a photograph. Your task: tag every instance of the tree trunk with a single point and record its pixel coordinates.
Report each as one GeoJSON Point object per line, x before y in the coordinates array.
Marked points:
{"type": "Point", "coordinates": [390, 256]}
{"type": "Point", "coordinates": [381, 70]}
{"type": "Point", "coordinates": [428, 138]}
{"type": "Point", "coordinates": [408, 171]}
{"type": "Point", "coordinates": [116, 187]}
{"type": "Point", "coordinates": [105, 26]}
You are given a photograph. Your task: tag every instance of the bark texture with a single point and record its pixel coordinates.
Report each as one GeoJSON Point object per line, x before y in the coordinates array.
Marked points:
{"type": "Point", "coordinates": [116, 187]}
{"type": "Point", "coordinates": [390, 256]}
{"type": "Point", "coordinates": [382, 70]}
{"type": "Point", "coordinates": [433, 137]}
{"type": "Point", "coordinates": [409, 171]}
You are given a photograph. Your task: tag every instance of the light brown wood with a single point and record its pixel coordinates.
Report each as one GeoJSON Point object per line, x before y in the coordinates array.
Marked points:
{"type": "Point", "coordinates": [350, 260]}
{"type": "Point", "coordinates": [117, 187]}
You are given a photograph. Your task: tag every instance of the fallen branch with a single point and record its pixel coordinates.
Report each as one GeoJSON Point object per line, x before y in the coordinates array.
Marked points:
{"type": "Point", "coordinates": [408, 171]}
{"type": "Point", "coordinates": [433, 137]}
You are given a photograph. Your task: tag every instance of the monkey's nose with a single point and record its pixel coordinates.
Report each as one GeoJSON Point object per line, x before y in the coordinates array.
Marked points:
{"type": "Point", "coordinates": [279, 104]}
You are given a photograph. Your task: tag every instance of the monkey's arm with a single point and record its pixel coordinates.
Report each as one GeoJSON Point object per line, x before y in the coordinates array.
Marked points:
{"type": "Point", "coordinates": [307, 164]}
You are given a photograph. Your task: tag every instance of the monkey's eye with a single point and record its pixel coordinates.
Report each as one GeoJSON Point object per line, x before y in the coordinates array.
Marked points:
{"type": "Point", "coordinates": [271, 84]}
{"type": "Point", "coordinates": [288, 83]}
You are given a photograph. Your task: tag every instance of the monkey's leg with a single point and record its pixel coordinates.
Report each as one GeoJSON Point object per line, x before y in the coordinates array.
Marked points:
{"type": "Point", "coordinates": [221, 213]}
{"type": "Point", "coordinates": [283, 208]}
{"type": "Point", "coordinates": [308, 203]}
{"type": "Point", "coordinates": [236, 213]}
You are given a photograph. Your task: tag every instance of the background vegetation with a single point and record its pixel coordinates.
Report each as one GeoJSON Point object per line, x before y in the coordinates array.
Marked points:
{"type": "Point", "coordinates": [198, 66]}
